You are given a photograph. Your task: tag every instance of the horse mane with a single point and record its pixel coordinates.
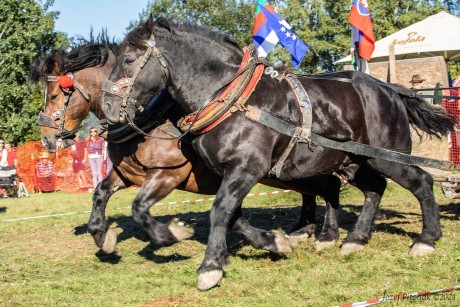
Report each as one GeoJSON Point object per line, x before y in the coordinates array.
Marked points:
{"type": "Point", "coordinates": [83, 54]}
{"type": "Point", "coordinates": [89, 53]}
{"type": "Point", "coordinates": [43, 66]}
{"type": "Point", "coordinates": [137, 36]}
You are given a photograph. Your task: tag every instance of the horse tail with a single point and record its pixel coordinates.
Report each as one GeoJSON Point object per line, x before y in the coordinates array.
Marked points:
{"type": "Point", "coordinates": [427, 117]}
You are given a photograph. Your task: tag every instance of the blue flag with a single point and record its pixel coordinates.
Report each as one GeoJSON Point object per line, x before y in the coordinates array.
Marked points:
{"type": "Point", "coordinates": [288, 39]}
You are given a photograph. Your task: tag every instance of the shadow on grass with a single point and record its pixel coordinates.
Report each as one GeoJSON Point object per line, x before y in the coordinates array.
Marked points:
{"type": "Point", "coordinates": [112, 258]}
{"type": "Point", "coordinates": [2, 209]}
{"type": "Point", "coordinates": [148, 253]}
{"type": "Point", "coordinates": [266, 218]}
{"type": "Point", "coordinates": [451, 209]}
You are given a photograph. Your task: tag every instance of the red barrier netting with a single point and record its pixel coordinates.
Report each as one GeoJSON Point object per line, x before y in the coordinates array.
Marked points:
{"type": "Point", "coordinates": [64, 178]}
{"type": "Point", "coordinates": [453, 109]}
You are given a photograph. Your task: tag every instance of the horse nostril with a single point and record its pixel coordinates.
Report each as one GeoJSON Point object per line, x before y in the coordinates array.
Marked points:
{"type": "Point", "coordinates": [123, 118]}
{"type": "Point", "coordinates": [45, 141]}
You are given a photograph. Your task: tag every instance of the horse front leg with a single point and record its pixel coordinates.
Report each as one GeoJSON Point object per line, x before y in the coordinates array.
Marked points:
{"type": "Point", "coordinates": [159, 184]}
{"type": "Point", "coordinates": [235, 186]}
{"type": "Point", "coordinates": [98, 227]}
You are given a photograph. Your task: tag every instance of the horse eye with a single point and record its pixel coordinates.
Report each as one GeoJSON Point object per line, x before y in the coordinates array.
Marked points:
{"type": "Point", "coordinates": [54, 96]}
{"type": "Point", "coordinates": [129, 60]}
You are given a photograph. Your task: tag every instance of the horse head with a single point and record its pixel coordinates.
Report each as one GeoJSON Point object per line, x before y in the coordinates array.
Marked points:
{"type": "Point", "coordinates": [188, 61]}
{"type": "Point", "coordinates": [72, 89]}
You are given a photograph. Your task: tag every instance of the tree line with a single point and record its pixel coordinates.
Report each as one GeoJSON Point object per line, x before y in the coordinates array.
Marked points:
{"type": "Point", "coordinates": [27, 30]}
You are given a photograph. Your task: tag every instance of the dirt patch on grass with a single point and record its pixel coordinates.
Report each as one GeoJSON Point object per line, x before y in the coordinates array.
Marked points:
{"type": "Point", "coordinates": [166, 301]}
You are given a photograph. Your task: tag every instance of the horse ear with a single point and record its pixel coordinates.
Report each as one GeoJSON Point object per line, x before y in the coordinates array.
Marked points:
{"type": "Point", "coordinates": [149, 24]}
{"type": "Point", "coordinates": [58, 62]}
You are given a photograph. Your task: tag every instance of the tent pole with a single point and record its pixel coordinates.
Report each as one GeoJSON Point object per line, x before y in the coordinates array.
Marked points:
{"type": "Point", "coordinates": [392, 63]}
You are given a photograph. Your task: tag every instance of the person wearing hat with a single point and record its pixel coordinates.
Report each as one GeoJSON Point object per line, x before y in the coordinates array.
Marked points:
{"type": "Point", "coordinates": [45, 173]}
{"type": "Point", "coordinates": [44, 167]}
{"type": "Point", "coordinates": [416, 81]}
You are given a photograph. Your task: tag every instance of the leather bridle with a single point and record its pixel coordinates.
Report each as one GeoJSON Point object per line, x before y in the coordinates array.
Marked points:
{"type": "Point", "coordinates": [50, 120]}
{"type": "Point", "coordinates": [117, 88]}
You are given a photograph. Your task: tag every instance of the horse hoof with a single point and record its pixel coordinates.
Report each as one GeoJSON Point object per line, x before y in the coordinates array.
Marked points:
{"type": "Point", "coordinates": [208, 280]}
{"type": "Point", "coordinates": [348, 248]}
{"type": "Point", "coordinates": [322, 245]}
{"type": "Point", "coordinates": [420, 250]}
{"type": "Point", "coordinates": [295, 239]}
{"type": "Point", "coordinates": [110, 242]}
{"type": "Point", "coordinates": [179, 231]}
{"type": "Point", "coordinates": [282, 242]}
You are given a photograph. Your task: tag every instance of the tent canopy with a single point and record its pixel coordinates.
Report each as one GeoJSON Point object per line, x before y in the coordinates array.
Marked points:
{"type": "Point", "coordinates": [437, 35]}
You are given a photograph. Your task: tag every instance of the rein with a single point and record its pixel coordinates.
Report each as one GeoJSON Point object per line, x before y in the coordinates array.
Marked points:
{"type": "Point", "coordinates": [50, 121]}
{"type": "Point", "coordinates": [408, 93]}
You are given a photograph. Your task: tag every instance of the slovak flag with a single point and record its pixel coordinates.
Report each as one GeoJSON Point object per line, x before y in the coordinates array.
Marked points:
{"type": "Point", "coordinates": [275, 29]}
{"type": "Point", "coordinates": [360, 19]}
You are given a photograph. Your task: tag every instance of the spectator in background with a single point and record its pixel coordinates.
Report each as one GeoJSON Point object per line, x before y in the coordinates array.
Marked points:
{"type": "Point", "coordinates": [416, 82]}
{"type": "Point", "coordinates": [44, 167]}
{"type": "Point", "coordinates": [11, 158]}
{"type": "Point", "coordinates": [79, 155]}
{"type": "Point", "coordinates": [94, 146]}
{"type": "Point", "coordinates": [45, 173]}
{"type": "Point", "coordinates": [3, 154]}
{"type": "Point", "coordinates": [107, 162]}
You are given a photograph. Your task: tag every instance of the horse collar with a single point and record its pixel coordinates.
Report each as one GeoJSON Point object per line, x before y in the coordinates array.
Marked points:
{"type": "Point", "coordinates": [230, 99]}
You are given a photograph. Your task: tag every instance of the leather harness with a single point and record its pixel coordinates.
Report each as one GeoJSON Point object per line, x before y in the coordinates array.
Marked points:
{"type": "Point", "coordinates": [234, 97]}
{"type": "Point", "coordinates": [303, 133]}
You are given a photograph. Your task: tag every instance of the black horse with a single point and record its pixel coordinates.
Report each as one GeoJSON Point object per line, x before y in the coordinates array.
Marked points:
{"type": "Point", "coordinates": [193, 63]}
{"type": "Point", "coordinates": [159, 163]}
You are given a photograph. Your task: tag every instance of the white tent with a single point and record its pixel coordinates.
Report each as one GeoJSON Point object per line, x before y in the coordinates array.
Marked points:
{"type": "Point", "coordinates": [437, 35]}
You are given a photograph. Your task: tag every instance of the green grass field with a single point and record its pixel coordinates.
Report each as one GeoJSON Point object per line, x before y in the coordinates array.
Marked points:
{"type": "Point", "coordinates": [52, 261]}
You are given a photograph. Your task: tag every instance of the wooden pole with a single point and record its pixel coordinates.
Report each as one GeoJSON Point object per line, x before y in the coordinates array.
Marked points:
{"type": "Point", "coordinates": [392, 63]}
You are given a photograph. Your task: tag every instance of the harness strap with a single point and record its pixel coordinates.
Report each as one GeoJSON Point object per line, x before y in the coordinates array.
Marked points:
{"type": "Point", "coordinates": [300, 134]}
{"type": "Point", "coordinates": [281, 126]}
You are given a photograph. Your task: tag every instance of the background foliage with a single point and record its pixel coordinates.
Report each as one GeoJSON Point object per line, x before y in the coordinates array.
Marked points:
{"type": "Point", "coordinates": [27, 29]}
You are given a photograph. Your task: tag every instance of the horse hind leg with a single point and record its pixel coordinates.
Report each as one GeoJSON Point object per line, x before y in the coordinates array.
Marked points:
{"type": "Point", "coordinates": [328, 187]}
{"type": "Point", "coordinates": [420, 184]}
{"type": "Point", "coordinates": [373, 186]}
{"type": "Point", "coordinates": [98, 227]}
{"type": "Point", "coordinates": [274, 241]}
{"type": "Point", "coordinates": [306, 225]}
{"type": "Point", "coordinates": [156, 187]}
{"type": "Point", "coordinates": [330, 230]}
{"type": "Point", "coordinates": [307, 219]}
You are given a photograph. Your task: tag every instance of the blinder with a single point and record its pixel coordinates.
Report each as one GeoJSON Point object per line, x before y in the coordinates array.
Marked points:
{"type": "Point", "coordinates": [45, 120]}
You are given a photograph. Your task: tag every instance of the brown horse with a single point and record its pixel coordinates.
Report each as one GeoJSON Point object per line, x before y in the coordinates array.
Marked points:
{"type": "Point", "coordinates": [158, 163]}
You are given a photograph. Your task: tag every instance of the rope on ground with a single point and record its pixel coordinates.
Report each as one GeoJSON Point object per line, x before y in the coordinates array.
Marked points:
{"type": "Point", "coordinates": [157, 204]}
{"type": "Point", "coordinates": [409, 296]}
